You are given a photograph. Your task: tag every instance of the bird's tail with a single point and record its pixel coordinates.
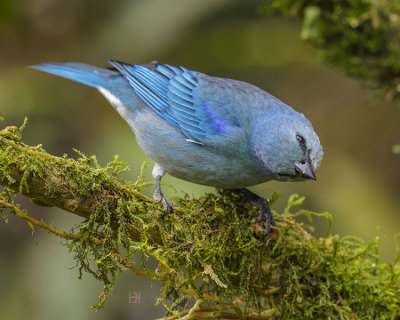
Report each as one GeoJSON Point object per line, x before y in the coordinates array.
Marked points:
{"type": "Point", "coordinates": [79, 72]}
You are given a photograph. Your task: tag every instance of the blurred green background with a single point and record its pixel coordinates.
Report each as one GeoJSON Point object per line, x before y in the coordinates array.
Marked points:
{"type": "Point", "coordinates": [358, 181]}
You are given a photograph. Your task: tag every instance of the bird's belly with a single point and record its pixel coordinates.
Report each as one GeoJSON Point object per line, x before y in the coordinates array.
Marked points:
{"type": "Point", "coordinates": [189, 161]}
{"type": "Point", "coordinates": [212, 170]}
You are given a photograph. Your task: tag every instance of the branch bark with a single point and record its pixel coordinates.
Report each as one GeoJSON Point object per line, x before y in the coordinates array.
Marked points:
{"type": "Point", "coordinates": [53, 181]}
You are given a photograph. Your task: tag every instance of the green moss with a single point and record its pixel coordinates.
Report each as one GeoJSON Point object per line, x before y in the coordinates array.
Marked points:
{"type": "Point", "coordinates": [207, 249]}
{"type": "Point", "coordinates": [358, 37]}
{"type": "Point", "coordinates": [290, 273]}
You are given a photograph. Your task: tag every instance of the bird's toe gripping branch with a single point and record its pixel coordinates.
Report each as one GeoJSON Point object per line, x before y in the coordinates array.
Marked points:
{"type": "Point", "coordinates": [158, 173]}
{"type": "Point", "coordinates": [265, 211]}
{"type": "Point", "coordinates": [159, 197]}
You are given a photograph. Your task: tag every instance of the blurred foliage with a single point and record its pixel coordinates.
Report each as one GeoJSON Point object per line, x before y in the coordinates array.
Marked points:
{"type": "Point", "coordinates": [358, 37]}
{"type": "Point", "coordinates": [209, 254]}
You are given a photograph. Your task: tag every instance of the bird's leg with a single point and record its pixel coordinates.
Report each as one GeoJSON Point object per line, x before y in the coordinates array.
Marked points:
{"type": "Point", "coordinates": [158, 173]}
{"type": "Point", "coordinates": [265, 211]}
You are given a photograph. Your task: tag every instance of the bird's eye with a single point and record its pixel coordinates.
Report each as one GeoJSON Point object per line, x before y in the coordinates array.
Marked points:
{"type": "Point", "coordinates": [300, 139]}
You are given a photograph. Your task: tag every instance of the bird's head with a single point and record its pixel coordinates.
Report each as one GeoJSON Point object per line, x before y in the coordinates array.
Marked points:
{"type": "Point", "coordinates": [286, 146]}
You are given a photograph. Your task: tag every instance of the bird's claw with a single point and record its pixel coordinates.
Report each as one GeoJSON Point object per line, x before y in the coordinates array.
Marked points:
{"type": "Point", "coordinates": [266, 215]}
{"type": "Point", "coordinates": [265, 211]}
{"type": "Point", "coordinates": [159, 197]}
{"type": "Point", "coordinates": [167, 205]}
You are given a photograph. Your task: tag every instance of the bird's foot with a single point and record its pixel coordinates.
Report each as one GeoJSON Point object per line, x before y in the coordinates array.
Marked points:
{"type": "Point", "coordinates": [266, 215]}
{"type": "Point", "coordinates": [159, 197]}
{"type": "Point", "coordinates": [265, 211]}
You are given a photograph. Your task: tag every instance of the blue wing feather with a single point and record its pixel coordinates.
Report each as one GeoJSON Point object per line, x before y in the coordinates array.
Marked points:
{"type": "Point", "coordinates": [172, 92]}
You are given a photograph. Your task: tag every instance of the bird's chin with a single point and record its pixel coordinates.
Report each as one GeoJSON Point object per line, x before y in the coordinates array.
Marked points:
{"type": "Point", "coordinates": [288, 178]}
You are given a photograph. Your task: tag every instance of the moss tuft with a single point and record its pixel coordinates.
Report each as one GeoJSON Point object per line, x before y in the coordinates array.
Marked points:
{"type": "Point", "coordinates": [361, 38]}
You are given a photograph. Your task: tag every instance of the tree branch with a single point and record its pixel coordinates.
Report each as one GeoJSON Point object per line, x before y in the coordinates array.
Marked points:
{"type": "Point", "coordinates": [209, 259]}
{"type": "Point", "coordinates": [38, 175]}
{"type": "Point", "coordinates": [72, 185]}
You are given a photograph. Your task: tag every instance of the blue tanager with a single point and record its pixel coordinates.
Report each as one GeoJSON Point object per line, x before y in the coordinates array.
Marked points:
{"type": "Point", "coordinates": [211, 131]}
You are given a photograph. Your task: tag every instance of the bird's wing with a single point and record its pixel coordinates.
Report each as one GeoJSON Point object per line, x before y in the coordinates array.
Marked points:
{"type": "Point", "coordinates": [173, 93]}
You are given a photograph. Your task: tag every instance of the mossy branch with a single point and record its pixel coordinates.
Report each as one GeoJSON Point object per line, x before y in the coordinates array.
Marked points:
{"type": "Point", "coordinates": [72, 185]}
{"type": "Point", "coordinates": [209, 259]}
{"type": "Point", "coordinates": [361, 38]}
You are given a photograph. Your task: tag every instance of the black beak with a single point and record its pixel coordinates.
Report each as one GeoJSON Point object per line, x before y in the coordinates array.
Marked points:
{"type": "Point", "coordinates": [305, 170]}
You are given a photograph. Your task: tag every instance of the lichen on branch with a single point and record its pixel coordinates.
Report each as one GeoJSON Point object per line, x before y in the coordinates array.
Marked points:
{"type": "Point", "coordinates": [210, 260]}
